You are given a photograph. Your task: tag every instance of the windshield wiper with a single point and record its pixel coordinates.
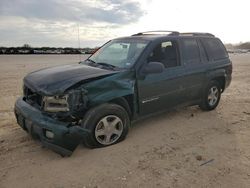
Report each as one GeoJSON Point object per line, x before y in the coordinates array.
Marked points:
{"type": "Point", "coordinates": [91, 61]}
{"type": "Point", "coordinates": [107, 65]}
{"type": "Point", "coordinates": [113, 67]}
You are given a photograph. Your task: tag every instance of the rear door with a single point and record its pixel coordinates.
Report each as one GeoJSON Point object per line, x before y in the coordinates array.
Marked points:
{"type": "Point", "coordinates": [193, 58]}
{"type": "Point", "coordinates": [163, 90]}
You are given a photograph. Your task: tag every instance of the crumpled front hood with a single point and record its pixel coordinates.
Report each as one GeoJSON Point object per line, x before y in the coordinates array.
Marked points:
{"type": "Point", "coordinates": [55, 80]}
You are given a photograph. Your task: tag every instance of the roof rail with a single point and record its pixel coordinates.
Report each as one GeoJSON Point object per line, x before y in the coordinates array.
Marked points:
{"type": "Point", "coordinates": [196, 34]}
{"type": "Point", "coordinates": [156, 32]}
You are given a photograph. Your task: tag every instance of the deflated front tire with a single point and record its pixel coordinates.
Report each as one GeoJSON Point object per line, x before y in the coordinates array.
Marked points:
{"type": "Point", "coordinates": [108, 124]}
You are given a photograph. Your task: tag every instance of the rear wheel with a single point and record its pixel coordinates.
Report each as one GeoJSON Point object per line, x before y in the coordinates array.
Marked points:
{"type": "Point", "coordinates": [108, 124]}
{"type": "Point", "coordinates": [211, 96]}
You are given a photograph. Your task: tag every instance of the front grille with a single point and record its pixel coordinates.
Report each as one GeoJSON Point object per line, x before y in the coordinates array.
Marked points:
{"type": "Point", "coordinates": [32, 97]}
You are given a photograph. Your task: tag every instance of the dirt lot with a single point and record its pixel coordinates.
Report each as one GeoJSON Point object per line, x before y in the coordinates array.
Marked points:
{"type": "Point", "coordinates": [166, 150]}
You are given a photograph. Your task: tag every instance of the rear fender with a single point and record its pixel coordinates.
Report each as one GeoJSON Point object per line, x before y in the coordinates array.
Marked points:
{"type": "Point", "coordinates": [216, 73]}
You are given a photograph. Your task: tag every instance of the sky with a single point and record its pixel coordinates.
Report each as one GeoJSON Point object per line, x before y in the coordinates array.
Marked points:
{"type": "Point", "coordinates": [57, 22]}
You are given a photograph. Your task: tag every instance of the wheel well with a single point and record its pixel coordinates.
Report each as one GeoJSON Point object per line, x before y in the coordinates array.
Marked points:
{"type": "Point", "coordinates": [126, 102]}
{"type": "Point", "coordinates": [221, 81]}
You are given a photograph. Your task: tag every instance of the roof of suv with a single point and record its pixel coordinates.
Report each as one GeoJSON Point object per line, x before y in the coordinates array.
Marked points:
{"type": "Point", "coordinates": [151, 35]}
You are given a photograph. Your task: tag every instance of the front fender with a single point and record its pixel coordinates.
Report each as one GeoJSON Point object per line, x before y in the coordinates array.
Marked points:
{"type": "Point", "coordinates": [106, 89]}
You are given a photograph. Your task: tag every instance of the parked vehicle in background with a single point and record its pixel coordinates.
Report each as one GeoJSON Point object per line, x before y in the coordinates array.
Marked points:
{"type": "Point", "coordinates": [127, 78]}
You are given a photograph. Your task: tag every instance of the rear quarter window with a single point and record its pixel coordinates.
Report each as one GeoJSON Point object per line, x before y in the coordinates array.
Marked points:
{"type": "Point", "coordinates": [214, 48]}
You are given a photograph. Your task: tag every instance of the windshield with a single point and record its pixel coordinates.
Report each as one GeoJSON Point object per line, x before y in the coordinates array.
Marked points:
{"type": "Point", "coordinates": [118, 53]}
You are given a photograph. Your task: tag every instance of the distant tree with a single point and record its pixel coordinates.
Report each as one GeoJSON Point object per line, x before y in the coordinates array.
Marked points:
{"type": "Point", "coordinates": [26, 46]}
{"type": "Point", "coordinates": [245, 45]}
{"type": "Point", "coordinates": [229, 46]}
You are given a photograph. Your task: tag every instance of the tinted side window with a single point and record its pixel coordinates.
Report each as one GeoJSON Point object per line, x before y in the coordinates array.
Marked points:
{"type": "Point", "coordinates": [215, 49]}
{"type": "Point", "coordinates": [204, 57]}
{"type": "Point", "coordinates": [190, 51]}
{"type": "Point", "coordinates": [165, 52]}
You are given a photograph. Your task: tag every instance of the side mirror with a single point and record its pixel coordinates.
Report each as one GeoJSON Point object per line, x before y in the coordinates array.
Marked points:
{"type": "Point", "coordinates": [153, 68]}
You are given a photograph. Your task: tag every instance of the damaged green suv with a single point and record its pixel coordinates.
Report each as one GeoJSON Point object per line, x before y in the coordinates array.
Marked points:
{"type": "Point", "coordinates": [95, 101]}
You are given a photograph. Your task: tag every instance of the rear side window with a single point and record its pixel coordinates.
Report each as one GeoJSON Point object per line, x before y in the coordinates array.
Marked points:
{"type": "Point", "coordinates": [215, 49]}
{"type": "Point", "coordinates": [190, 51]}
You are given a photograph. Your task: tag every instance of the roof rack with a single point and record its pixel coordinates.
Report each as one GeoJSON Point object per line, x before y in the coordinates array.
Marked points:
{"type": "Point", "coordinates": [156, 32]}
{"type": "Point", "coordinates": [196, 34]}
{"type": "Point", "coordinates": [173, 33]}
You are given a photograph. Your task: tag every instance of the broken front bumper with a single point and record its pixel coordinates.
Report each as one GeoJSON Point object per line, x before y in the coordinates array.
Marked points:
{"type": "Point", "coordinates": [62, 138]}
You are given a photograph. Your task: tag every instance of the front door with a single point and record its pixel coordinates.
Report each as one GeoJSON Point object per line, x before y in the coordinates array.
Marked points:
{"type": "Point", "coordinates": [162, 90]}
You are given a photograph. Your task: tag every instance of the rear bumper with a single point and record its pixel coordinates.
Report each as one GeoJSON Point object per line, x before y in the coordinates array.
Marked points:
{"type": "Point", "coordinates": [66, 137]}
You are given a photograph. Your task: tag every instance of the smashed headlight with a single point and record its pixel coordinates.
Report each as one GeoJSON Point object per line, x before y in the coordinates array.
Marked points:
{"type": "Point", "coordinates": [56, 103]}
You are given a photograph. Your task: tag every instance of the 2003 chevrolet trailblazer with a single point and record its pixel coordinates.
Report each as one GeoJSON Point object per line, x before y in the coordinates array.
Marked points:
{"type": "Point", "coordinates": [94, 101]}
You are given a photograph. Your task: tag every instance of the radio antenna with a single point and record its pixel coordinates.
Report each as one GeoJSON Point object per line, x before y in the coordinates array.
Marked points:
{"type": "Point", "coordinates": [79, 43]}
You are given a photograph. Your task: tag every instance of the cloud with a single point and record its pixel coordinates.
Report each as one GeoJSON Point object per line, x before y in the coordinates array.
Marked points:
{"type": "Point", "coordinates": [16, 31]}
{"type": "Point", "coordinates": [55, 22]}
{"type": "Point", "coordinates": [109, 11]}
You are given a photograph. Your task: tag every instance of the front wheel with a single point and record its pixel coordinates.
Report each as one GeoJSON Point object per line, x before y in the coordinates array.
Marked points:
{"type": "Point", "coordinates": [108, 124]}
{"type": "Point", "coordinates": [211, 96]}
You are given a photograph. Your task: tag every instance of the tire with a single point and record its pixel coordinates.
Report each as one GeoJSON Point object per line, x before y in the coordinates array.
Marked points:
{"type": "Point", "coordinates": [211, 96]}
{"type": "Point", "coordinates": [108, 124]}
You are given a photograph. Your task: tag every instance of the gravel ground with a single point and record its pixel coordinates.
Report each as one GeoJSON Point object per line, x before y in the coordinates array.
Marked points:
{"type": "Point", "coordinates": [182, 148]}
